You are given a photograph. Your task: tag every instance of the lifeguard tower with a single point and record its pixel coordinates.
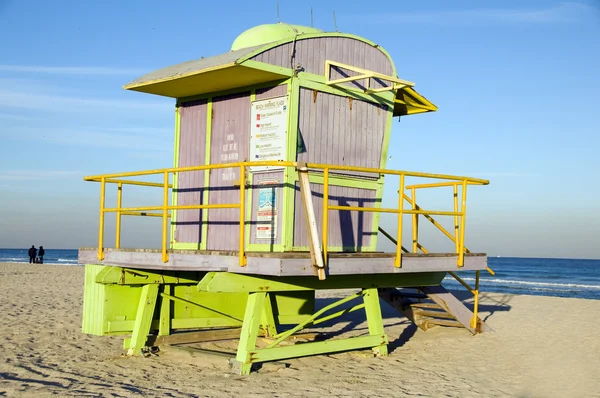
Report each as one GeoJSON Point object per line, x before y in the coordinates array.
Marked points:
{"type": "Point", "coordinates": [280, 157]}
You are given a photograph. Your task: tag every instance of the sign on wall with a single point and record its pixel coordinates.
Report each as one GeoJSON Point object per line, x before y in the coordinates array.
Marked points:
{"type": "Point", "coordinates": [266, 217]}
{"type": "Point", "coordinates": [268, 131]}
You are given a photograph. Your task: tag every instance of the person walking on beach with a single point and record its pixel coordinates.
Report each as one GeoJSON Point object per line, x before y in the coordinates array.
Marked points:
{"type": "Point", "coordinates": [32, 253]}
{"type": "Point", "coordinates": [41, 253]}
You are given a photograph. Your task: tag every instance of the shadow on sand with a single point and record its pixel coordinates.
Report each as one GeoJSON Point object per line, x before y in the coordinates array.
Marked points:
{"type": "Point", "coordinates": [489, 304]}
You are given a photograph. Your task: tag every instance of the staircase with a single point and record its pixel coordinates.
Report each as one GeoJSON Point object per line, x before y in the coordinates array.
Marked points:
{"type": "Point", "coordinates": [432, 306]}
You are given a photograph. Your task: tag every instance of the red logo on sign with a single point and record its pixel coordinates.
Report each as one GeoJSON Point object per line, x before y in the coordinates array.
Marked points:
{"type": "Point", "coordinates": [258, 126]}
{"type": "Point", "coordinates": [258, 116]}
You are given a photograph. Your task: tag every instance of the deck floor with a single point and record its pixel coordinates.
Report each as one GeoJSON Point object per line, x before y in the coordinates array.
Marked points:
{"type": "Point", "coordinates": [281, 264]}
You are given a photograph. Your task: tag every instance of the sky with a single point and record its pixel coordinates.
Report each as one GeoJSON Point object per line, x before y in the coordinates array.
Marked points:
{"type": "Point", "coordinates": [516, 84]}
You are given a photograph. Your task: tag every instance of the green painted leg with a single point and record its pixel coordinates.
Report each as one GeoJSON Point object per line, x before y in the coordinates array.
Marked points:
{"type": "Point", "coordinates": [252, 320]}
{"type": "Point", "coordinates": [268, 319]}
{"type": "Point", "coordinates": [164, 327]}
{"type": "Point", "coordinates": [374, 320]}
{"type": "Point", "coordinates": [143, 319]}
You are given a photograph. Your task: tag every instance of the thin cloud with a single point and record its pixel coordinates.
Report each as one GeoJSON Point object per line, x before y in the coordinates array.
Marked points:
{"type": "Point", "coordinates": [501, 174]}
{"type": "Point", "coordinates": [71, 70]}
{"type": "Point", "coordinates": [132, 139]}
{"type": "Point", "coordinates": [58, 103]}
{"type": "Point", "coordinates": [33, 175]}
{"type": "Point", "coordinates": [10, 116]}
{"type": "Point", "coordinates": [567, 12]}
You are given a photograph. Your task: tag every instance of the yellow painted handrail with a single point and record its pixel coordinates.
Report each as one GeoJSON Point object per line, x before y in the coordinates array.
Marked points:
{"type": "Point", "coordinates": [415, 210]}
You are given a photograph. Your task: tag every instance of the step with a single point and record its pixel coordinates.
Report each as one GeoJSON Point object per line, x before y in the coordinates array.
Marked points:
{"type": "Point", "coordinates": [434, 314]}
{"type": "Point", "coordinates": [426, 305]}
{"type": "Point", "coordinates": [444, 322]}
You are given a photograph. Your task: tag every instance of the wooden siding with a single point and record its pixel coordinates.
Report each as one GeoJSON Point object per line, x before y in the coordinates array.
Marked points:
{"type": "Point", "coordinates": [270, 92]}
{"type": "Point", "coordinates": [350, 229]}
{"type": "Point", "coordinates": [229, 143]}
{"type": "Point", "coordinates": [190, 185]}
{"type": "Point", "coordinates": [337, 130]}
{"type": "Point", "coordinates": [310, 55]}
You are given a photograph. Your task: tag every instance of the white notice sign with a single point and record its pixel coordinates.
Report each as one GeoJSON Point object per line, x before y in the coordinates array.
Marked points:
{"type": "Point", "coordinates": [268, 130]}
{"type": "Point", "coordinates": [266, 217]}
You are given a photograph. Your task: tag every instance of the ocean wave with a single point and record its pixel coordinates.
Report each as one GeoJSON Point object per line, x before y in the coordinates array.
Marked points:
{"type": "Point", "coordinates": [63, 263]}
{"type": "Point", "coordinates": [51, 262]}
{"type": "Point", "coordinates": [66, 260]}
{"type": "Point", "coordinates": [527, 283]}
{"type": "Point", "coordinates": [13, 259]}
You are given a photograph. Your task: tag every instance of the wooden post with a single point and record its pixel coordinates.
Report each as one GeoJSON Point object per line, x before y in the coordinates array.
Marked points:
{"type": "Point", "coordinates": [143, 319]}
{"type": "Point", "coordinates": [316, 252]}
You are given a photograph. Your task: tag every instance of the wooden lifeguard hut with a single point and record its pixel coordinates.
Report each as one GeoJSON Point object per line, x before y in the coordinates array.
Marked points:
{"type": "Point", "coordinates": [280, 157]}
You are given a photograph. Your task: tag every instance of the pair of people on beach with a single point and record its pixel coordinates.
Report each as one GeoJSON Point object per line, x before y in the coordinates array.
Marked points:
{"type": "Point", "coordinates": [36, 256]}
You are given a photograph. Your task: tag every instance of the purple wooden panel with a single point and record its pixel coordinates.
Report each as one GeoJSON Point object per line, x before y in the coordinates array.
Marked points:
{"type": "Point", "coordinates": [352, 230]}
{"type": "Point", "coordinates": [311, 54]}
{"type": "Point", "coordinates": [260, 179]}
{"type": "Point", "coordinates": [270, 92]}
{"type": "Point", "coordinates": [332, 133]}
{"type": "Point", "coordinates": [190, 185]}
{"type": "Point", "coordinates": [229, 143]}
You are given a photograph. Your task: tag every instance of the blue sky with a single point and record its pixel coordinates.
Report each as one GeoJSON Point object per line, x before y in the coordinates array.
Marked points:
{"type": "Point", "coordinates": [516, 83]}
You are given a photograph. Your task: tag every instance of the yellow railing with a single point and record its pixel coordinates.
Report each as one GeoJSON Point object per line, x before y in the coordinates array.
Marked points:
{"type": "Point", "coordinates": [163, 210]}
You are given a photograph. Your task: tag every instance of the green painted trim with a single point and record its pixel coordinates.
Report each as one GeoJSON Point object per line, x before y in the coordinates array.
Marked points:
{"type": "Point", "coordinates": [264, 247]}
{"type": "Point", "coordinates": [109, 275]}
{"type": "Point", "coordinates": [376, 218]}
{"type": "Point", "coordinates": [249, 190]}
{"type": "Point", "coordinates": [348, 182]}
{"type": "Point", "coordinates": [386, 138]}
{"type": "Point", "coordinates": [280, 70]}
{"type": "Point", "coordinates": [233, 91]}
{"type": "Point", "coordinates": [223, 282]}
{"type": "Point", "coordinates": [186, 246]}
{"type": "Point", "coordinates": [340, 249]}
{"type": "Point", "coordinates": [289, 176]}
{"type": "Point", "coordinates": [313, 36]}
{"type": "Point", "coordinates": [317, 82]}
{"type": "Point", "coordinates": [205, 212]}
{"type": "Point", "coordinates": [175, 178]}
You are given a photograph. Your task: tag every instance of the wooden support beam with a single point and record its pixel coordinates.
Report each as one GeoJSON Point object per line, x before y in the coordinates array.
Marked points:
{"type": "Point", "coordinates": [143, 319]}
{"type": "Point", "coordinates": [374, 320]}
{"type": "Point", "coordinates": [196, 337]}
{"type": "Point", "coordinates": [316, 251]}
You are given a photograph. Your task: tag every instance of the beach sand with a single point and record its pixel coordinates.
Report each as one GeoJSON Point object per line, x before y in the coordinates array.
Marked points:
{"type": "Point", "coordinates": [540, 347]}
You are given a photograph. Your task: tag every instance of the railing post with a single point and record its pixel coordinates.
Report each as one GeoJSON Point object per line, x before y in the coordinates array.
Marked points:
{"type": "Point", "coordinates": [463, 214]}
{"type": "Point", "coordinates": [415, 221]}
{"type": "Point", "coordinates": [242, 215]}
{"type": "Point", "coordinates": [118, 222]}
{"type": "Point", "coordinates": [456, 237]}
{"type": "Point", "coordinates": [101, 222]}
{"type": "Point", "coordinates": [165, 255]}
{"type": "Point", "coordinates": [476, 301]}
{"type": "Point", "coordinates": [398, 259]}
{"type": "Point", "coordinates": [325, 224]}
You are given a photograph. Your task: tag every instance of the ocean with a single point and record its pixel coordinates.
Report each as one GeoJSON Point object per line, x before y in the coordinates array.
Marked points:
{"type": "Point", "coordinates": [52, 256]}
{"type": "Point", "coordinates": [533, 276]}
{"type": "Point", "coordinates": [536, 276]}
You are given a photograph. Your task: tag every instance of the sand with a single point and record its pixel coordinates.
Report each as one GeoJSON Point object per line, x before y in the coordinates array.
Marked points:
{"type": "Point", "coordinates": [540, 347]}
